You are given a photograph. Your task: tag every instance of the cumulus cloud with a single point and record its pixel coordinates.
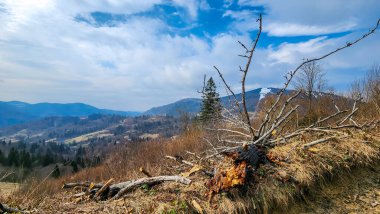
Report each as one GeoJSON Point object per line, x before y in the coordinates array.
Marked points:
{"type": "Point", "coordinates": [47, 55]}
{"type": "Point", "coordinates": [291, 29]}
{"type": "Point", "coordinates": [317, 17]}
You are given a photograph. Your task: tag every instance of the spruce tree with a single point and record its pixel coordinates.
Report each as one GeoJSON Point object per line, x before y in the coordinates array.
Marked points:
{"type": "Point", "coordinates": [56, 173]}
{"type": "Point", "coordinates": [211, 107]}
{"type": "Point", "coordinates": [1, 157]}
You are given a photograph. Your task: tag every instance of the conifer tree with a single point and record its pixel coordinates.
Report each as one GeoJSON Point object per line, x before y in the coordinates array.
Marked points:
{"type": "Point", "coordinates": [211, 106]}
{"type": "Point", "coordinates": [1, 157]}
{"type": "Point", "coordinates": [56, 173]}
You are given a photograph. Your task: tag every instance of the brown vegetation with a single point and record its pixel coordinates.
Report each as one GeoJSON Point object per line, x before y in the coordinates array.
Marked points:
{"type": "Point", "coordinates": [258, 164]}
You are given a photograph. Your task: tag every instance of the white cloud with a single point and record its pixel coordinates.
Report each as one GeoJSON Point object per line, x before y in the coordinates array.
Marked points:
{"type": "Point", "coordinates": [45, 55]}
{"type": "Point", "coordinates": [291, 29]}
{"type": "Point", "coordinates": [48, 56]}
{"type": "Point", "coordinates": [295, 17]}
{"type": "Point", "coordinates": [290, 53]}
{"type": "Point", "coordinates": [192, 6]}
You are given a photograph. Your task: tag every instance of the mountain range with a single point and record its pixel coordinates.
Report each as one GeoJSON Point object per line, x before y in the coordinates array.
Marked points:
{"type": "Point", "coordinates": [193, 105]}
{"type": "Point", "coordinates": [15, 112]}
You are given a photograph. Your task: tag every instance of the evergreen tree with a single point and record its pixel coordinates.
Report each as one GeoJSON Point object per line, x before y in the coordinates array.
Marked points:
{"type": "Point", "coordinates": [1, 157]}
{"type": "Point", "coordinates": [211, 106]}
{"type": "Point", "coordinates": [13, 158]}
{"type": "Point", "coordinates": [25, 159]}
{"type": "Point", "coordinates": [56, 173]}
{"type": "Point", "coordinates": [47, 158]}
{"type": "Point", "coordinates": [75, 166]}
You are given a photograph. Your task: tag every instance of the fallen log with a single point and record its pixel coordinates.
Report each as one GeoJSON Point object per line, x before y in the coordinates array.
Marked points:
{"type": "Point", "coordinates": [83, 184]}
{"type": "Point", "coordinates": [7, 209]}
{"type": "Point", "coordinates": [127, 186]}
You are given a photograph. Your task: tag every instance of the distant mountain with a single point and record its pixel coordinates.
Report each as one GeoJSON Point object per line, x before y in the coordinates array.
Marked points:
{"type": "Point", "coordinates": [188, 105]}
{"type": "Point", "coordinates": [15, 112]}
{"type": "Point", "coordinates": [193, 105]}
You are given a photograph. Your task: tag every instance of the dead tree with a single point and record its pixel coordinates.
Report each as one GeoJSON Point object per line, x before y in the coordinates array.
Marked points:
{"type": "Point", "coordinates": [311, 80]}
{"type": "Point", "coordinates": [236, 130]}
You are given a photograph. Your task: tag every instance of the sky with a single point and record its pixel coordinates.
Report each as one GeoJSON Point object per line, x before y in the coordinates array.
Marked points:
{"type": "Point", "coordinates": [134, 55]}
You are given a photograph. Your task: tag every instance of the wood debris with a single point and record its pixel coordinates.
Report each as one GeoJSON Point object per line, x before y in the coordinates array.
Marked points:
{"type": "Point", "coordinates": [116, 191]}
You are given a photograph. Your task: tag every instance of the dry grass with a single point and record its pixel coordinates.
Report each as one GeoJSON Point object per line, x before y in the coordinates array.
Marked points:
{"type": "Point", "coordinates": [274, 186]}
{"type": "Point", "coordinates": [7, 189]}
{"type": "Point", "coordinates": [122, 164]}
{"type": "Point", "coordinates": [299, 169]}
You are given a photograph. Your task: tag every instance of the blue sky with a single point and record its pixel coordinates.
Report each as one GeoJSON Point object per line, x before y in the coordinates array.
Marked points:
{"type": "Point", "coordinates": [133, 55]}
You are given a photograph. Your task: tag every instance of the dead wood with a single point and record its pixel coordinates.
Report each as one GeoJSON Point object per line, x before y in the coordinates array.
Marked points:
{"type": "Point", "coordinates": [152, 180]}
{"type": "Point", "coordinates": [318, 142]}
{"type": "Point", "coordinates": [83, 184]}
{"type": "Point", "coordinates": [180, 160]}
{"type": "Point", "coordinates": [237, 129]}
{"type": "Point", "coordinates": [197, 207]}
{"type": "Point", "coordinates": [104, 187]}
{"type": "Point", "coordinates": [7, 209]}
{"type": "Point", "coordinates": [118, 190]}
{"type": "Point", "coordinates": [237, 167]}
{"type": "Point", "coordinates": [146, 173]}
{"type": "Point", "coordinates": [79, 194]}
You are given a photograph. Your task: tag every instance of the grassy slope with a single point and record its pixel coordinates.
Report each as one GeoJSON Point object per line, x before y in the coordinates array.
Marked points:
{"type": "Point", "coordinates": [354, 192]}
{"type": "Point", "coordinates": [275, 187]}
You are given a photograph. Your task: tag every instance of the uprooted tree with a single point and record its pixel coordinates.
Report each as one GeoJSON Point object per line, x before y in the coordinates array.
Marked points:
{"type": "Point", "coordinates": [237, 139]}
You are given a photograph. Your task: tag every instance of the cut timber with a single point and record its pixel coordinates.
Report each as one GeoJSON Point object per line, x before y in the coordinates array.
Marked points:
{"type": "Point", "coordinates": [104, 187]}
{"type": "Point", "coordinates": [197, 206]}
{"type": "Point", "coordinates": [142, 170]}
{"type": "Point", "coordinates": [135, 183]}
{"type": "Point", "coordinates": [194, 169]}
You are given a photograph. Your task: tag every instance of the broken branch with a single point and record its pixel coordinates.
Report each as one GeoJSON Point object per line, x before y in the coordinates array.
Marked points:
{"type": "Point", "coordinates": [135, 183]}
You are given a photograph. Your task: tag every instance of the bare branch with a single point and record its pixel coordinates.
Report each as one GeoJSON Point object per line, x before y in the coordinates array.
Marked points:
{"type": "Point", "coordinates": [285, 105]}
{"type": "Point", "coordinates": [291, 74]}
{"type": "Point", "coordinates": [317, 142]}
{"type": "Point", "coordinates": [281, 120]}
{"type": "Point", "coordinates": [245, 47]}
{"type": "Point", "coordinates": [229, 89]}
{"type": "Point", "coordinates": [179, 160]}
{"type": "Point", "coordinates": [245, 71]}
{"type": "Point", "coordinates": [232, 131]}
{"type": "Point", "coordinates": [327, 118]}
{"type": "Point", "coordinates": [347, 117]}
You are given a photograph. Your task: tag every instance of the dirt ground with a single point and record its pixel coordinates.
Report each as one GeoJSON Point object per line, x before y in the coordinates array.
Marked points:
{"type": "Point", "coordinates": [7, 189]}
{"type": "Point", "coordinates": [355, 192]}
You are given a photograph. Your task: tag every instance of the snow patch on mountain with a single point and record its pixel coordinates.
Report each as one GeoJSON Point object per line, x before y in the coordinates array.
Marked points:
{"type": "Point", "coordinates": [264, 92]}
